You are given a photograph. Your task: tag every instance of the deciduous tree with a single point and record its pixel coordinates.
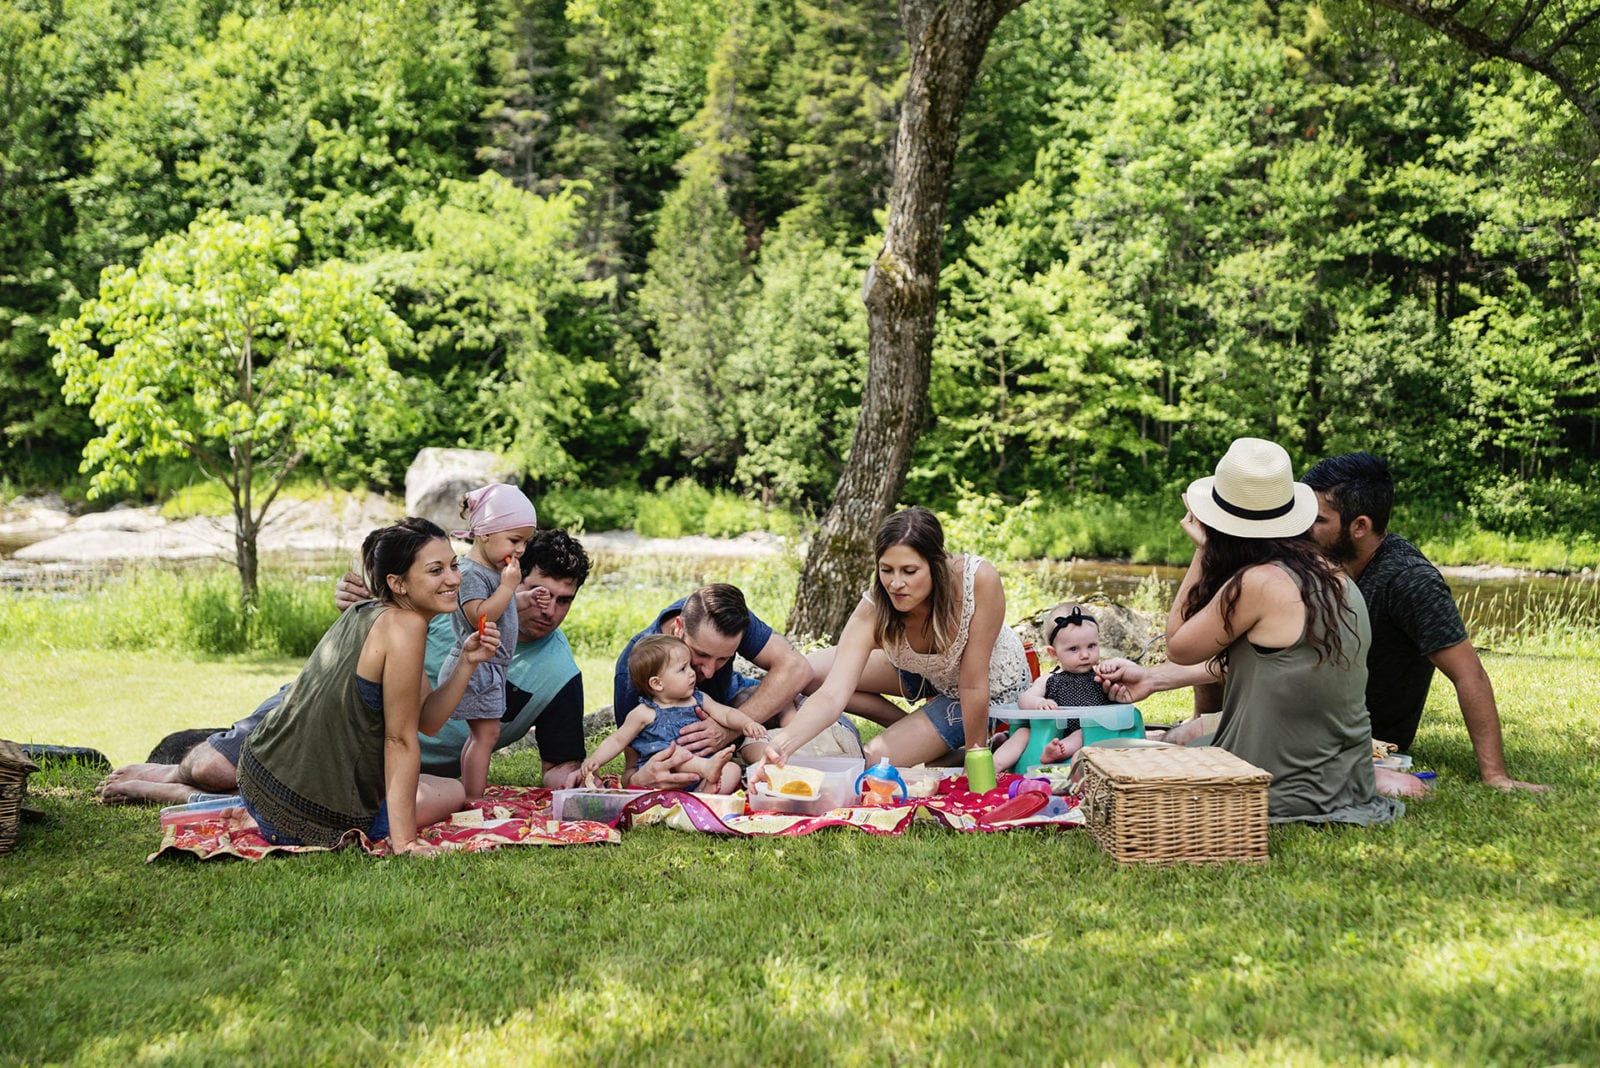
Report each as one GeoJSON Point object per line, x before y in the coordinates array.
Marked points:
{"type": "Point", "coordinates": [214, 348]}
{"type": "Point", "coordinates": [947, 40]}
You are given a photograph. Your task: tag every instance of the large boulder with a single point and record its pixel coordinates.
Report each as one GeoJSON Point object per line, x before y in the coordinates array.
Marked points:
{"type": "Point", "coordinates": [438, 479]}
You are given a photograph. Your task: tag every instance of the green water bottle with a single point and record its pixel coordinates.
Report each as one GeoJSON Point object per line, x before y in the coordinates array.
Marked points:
{"type": "Point", "coordinates": [980, 769]}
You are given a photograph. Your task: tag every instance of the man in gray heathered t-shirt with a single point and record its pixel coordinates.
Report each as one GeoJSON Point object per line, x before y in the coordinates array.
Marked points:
{"type": "Point", "coordinates": [1416, 625]}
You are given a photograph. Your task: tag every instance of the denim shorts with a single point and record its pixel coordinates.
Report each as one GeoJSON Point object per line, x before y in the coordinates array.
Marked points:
{"type": "Point", "coordinates": [942, 711]}
{"type": "Point", "coordinates": [376, 833]}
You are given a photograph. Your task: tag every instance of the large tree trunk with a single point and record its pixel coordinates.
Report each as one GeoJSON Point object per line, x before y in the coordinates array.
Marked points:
{"type": "Point", "coordinates": [947, 42]}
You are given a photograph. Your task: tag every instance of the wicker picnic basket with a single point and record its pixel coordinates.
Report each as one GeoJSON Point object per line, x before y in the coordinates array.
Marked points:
{"type": "Point", "coordinates": [1171, 804]}
{"type": "Point", "coordinates": [15, 767]}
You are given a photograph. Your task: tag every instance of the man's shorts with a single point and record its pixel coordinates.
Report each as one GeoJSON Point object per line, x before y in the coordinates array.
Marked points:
{"type": "Point", "coordinates": [231, 741]}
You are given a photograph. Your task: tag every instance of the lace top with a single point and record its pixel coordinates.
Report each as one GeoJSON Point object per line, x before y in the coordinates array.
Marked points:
{"type": "Point", "coordinates": [1008, 666]}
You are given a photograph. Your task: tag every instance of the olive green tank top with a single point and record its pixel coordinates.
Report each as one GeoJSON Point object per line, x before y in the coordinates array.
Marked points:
{"type": "Point", "coordinates": [314, 767]}
{"type": "Point", "coordinates": [1307, 724]}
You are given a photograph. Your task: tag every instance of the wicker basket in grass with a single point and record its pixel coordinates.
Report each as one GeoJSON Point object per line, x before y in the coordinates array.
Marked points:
{"type": "Point", "coordinates": [15, 767]}
{"type": "Point", "coordinates": [1172, 804]}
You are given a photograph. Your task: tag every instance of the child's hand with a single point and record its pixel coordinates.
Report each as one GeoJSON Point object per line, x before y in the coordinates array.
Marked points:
{"type": "Point", "coordinates": [482, 645]}
{"type": "Point", "coordinates": [511, 571]}
{"type": "Point", "coordinates": [1028, 701]}
{"type": "Point", "coordinates": [540, 598]}
{"type": "Point", "coordinates": [752, 729]}
{"type": "Point", "coordinates": [586, 771]}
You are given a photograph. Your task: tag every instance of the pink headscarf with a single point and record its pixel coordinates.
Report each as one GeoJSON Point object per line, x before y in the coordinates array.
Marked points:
{"type": "Point", "coordinates": [494, 508]}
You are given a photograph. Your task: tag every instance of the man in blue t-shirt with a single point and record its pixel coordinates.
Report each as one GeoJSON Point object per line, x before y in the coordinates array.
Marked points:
{"type": "Point", "coordinates": [716, 623]}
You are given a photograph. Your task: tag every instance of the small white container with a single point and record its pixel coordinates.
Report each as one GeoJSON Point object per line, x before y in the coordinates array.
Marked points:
{"type": "Point", "coordinates": [924, 781]}
{"type": "Point", "coordinates": [838, 788]}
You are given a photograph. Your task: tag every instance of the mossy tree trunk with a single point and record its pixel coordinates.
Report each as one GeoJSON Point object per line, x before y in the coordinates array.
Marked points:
{"type": "Point", "coordinates": [947, 40]}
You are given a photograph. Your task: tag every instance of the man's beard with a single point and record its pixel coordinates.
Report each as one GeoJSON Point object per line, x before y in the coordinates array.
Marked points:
{"type": "Point", "coordinates": [1343, 549]}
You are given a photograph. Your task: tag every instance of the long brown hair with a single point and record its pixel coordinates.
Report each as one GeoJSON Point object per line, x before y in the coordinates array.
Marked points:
{"type": "Point", "coordinates": [917, 529]}
{"type": "Point", "coordinates": [1224, 559]}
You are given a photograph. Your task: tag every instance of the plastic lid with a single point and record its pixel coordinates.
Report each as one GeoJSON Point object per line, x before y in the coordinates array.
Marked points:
{"type": "Point", "coordinates": [1111, 717]}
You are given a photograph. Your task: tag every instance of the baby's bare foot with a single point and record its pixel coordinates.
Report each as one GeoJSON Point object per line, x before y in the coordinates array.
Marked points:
{"type": "Point", "coordinates": [715, 766]}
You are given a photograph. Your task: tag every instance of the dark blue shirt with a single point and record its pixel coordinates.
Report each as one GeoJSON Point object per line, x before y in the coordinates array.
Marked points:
{"type": "Point", "coordinates": [719, 687]}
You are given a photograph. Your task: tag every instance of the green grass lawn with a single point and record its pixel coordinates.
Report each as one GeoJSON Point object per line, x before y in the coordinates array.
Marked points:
{"type": "Point", "coordinates": [1468, 933]}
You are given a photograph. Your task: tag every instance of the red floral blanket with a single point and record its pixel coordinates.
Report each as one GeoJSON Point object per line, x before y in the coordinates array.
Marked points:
{"type": "Point", "coordinates": [954, 807]}
{"type": "Point", "coordinates": [520, 816]}
{"type": "Point", "coordinates": [512, 816]}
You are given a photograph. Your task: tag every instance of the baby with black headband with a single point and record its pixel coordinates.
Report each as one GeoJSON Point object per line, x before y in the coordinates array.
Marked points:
{"type": "Point", "coordinates": [1072, 637]}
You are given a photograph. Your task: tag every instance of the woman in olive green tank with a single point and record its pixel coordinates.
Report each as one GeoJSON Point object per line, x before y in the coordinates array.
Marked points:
{"type": "Point", "coordinates": [1289, 634]}
{"type": "Point", "coordinates": [340, 753]}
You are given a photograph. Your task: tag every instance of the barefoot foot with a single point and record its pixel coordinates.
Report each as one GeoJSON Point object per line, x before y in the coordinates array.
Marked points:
{"type": "Point", "coordinates": [166, 793]}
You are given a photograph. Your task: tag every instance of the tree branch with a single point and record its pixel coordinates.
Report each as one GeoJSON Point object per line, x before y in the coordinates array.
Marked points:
{"type": "Point", "coordinates": [278, 484]}
{"type": "Point", "coordinates": [1480, 43]}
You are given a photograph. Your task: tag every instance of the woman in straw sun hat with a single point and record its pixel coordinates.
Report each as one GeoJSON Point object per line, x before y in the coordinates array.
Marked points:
{"type": "Point", "coordinates": [1288, 634]}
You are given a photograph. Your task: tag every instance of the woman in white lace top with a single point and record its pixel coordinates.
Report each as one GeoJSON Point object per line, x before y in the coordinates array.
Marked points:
{"type": "Point", "coordinates": [931, 627]}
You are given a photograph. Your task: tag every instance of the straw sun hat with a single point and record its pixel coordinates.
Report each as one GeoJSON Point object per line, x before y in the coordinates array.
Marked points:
{"type": "Point", "coordinates": [1254, 494]}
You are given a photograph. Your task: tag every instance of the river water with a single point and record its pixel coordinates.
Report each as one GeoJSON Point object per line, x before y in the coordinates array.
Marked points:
{"type": "Point", "coordinates": [1493, 601]}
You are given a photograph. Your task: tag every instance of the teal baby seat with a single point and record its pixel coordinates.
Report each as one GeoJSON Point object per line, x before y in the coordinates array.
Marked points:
{"type": "Point", "coordinates": [1099, 723]}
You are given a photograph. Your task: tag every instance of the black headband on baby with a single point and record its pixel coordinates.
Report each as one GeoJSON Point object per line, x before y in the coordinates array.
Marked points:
{"type": "Point", "coordinates": [1077, 617]}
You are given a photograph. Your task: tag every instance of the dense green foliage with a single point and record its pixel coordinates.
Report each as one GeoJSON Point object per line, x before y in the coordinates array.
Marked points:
{"type": "Point", "coordinates": [629, 238]}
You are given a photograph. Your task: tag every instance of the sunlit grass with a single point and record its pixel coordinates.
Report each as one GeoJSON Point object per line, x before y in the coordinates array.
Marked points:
{"type": "Point", "coordinates": [1466, 933]}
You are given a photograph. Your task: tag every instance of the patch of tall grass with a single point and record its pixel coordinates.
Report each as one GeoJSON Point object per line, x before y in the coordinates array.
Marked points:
{"type": "Point", "coordinates": [1454, 537]}
{"type": "Point", "coordinates": [195, 609]}
{"type": "Point", "coordinates": [1562, 619]}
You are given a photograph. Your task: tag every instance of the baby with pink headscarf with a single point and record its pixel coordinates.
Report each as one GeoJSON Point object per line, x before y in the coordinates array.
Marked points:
{"type": "Point", "coordinates": [500, 521]}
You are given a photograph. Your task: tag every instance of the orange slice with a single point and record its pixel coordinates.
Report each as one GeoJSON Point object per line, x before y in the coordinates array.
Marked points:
{"type": "Point", "coordinates": [794, 781]}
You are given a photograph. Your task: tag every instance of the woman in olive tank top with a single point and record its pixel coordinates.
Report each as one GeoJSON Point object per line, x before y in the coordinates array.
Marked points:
{"type": "Point", "coordinates": [1289, 633]}
{"type": "Point", "coordinates": [340, 753]}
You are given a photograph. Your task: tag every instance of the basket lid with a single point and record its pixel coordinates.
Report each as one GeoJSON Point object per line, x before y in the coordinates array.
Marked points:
{"type": "Point", "coordinates": [1173, 763]}
{"type": "Point", "coordinates": [12, 758]}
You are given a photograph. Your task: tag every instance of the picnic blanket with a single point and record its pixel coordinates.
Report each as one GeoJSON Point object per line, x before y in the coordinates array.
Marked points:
{"type": "Point", "coordinates": [520, 816]}
{"type": "Point", "coordinates": [512, 816]}
{"type": "Point", "coordinates": [954, 807]}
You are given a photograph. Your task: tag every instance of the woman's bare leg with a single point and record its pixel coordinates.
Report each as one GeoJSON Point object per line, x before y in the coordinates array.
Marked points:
{"type": "Point", "coordinates": [879, 677]}
{"type": "Point", "coordinates": [914, 740]}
